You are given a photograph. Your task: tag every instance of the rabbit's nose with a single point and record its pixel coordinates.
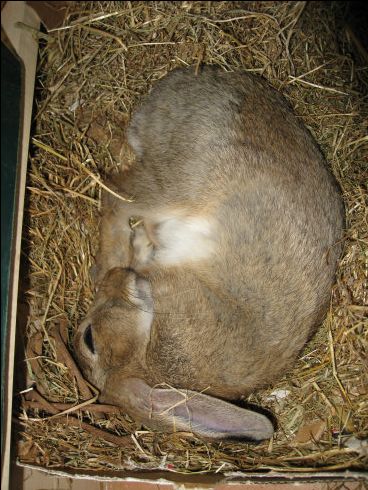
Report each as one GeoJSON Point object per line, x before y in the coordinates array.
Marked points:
{"type": "Point", "coordinates": [88, 338]}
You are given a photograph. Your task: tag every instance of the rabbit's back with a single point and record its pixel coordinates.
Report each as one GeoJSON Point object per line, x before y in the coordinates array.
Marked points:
{"type": "Point", "coordinates": [216, 131]}
{"type": "Point", "coordinates": [184, 112]}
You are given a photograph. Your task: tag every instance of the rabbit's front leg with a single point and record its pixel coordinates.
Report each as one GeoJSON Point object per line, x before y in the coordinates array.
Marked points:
{"type": "Point", "coordinates": [114, 244]}
{"type": "Point", "coordinates": [142, 247]}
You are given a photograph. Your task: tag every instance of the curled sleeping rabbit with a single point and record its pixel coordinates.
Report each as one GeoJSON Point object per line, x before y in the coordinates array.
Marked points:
{"type": "Point", "coordinates": [229, 272]}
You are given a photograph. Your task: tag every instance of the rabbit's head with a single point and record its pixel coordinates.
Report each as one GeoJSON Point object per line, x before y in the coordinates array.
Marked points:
{"type": "Point", "coordinates": [111, 347]}
{"type": "Point", "coordinates": [116, 330]}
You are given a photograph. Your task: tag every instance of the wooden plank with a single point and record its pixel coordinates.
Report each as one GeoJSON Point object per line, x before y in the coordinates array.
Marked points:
{"type": "Point", "coordinates": [26, 46]}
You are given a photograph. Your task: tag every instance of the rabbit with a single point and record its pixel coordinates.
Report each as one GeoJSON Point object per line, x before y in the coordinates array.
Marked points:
{"type": "Point", "coordinates": [230, 270]}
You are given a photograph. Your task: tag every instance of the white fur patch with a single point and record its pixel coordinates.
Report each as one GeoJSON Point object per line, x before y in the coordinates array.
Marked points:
{"type": "Point", "coordinates": [145, 321]}
{"type": "Point", "coordinates": [184, 239]}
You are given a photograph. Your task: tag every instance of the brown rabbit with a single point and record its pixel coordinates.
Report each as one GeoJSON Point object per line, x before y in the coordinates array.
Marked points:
{"type": "Point", "coordinates": [233, 267]}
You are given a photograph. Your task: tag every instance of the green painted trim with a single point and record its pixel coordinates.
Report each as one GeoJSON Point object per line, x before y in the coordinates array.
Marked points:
{"type": "Point", "coordinates": [11, 98]}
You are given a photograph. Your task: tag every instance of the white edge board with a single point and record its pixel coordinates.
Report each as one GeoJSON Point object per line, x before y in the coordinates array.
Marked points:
{"type": "Point", "coordinates": [26, 46]}
{"type": "Point", "coordinates": [233, 478]}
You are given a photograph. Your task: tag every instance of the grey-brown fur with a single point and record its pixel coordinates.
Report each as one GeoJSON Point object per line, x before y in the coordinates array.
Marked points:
{"type": "Point", "coordinates": [231, 312]}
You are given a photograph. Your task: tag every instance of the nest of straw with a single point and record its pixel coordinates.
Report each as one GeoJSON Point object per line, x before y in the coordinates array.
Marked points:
{"type": "Point", "coordinates": [91, 74]}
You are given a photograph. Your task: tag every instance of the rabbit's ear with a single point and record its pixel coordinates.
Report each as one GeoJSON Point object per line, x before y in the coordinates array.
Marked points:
{"type": "Point", "coordinates": [172, 410]}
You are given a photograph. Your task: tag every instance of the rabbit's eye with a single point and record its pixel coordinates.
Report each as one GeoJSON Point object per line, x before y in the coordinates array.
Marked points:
{"type": "Point", "coordinates": [88, 339]}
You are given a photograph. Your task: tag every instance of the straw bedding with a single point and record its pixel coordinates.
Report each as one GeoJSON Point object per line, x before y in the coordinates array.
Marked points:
{"type": "Point", "coordinates": [91, 74]}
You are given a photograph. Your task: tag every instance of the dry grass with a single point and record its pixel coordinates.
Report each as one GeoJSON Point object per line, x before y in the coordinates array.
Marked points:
{"type": "Point", "coordinates": [91, 74]}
